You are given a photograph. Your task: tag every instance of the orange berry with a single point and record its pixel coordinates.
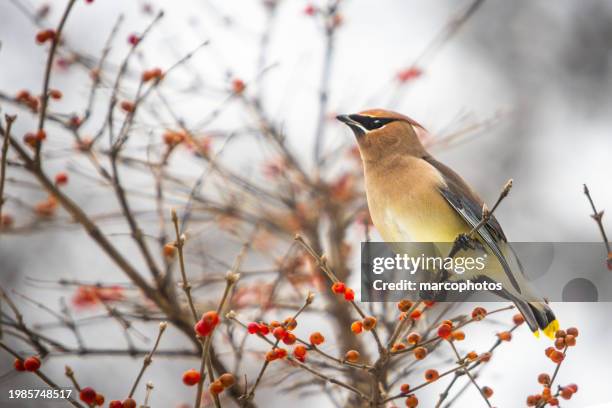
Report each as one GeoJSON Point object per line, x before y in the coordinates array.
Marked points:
{"type": "Point", "coordinates": [404, 305]}
{"type": "Point", "coordinates": [349, 294]}
{"type": "Point", "coordinates": [128, 106]}
{"type": "Point", "coordinates": [338, 287]}
{"type": "Point", "coordinates": [271, 356]}
{"type": "Point", "coordinates": [216, 387]}
{"type": "Point", "coordinates": [479, 313]}
{"type": "Point", "coordinates": [238, 86]}
{"type": "Point", "coordinates": [546, 392]}
{"type": "Point", "coordinates": [412, 401]}
{"type": "Point", "coordinates": [369, 323]}
{"type": "Point", "coordinates": [397, 347]}
{"type": "Point", "coordinates": [431, 375]}
{"type": "Point", "coordinates": [300, 352]}
{"type": "Point", "coordinates": [416, 314]}
{"type": "Point", "coordinates": [444, 331]}
{"type": "Point", "coordinates": [549, 351]}
{"type": "Point", "coordinates": [45, 35]}
{"type": "Point", "coordinates": [485, 357]}
{"type": "Point", "coordinates": [151, 74]}
{"type": "Point", "coordinates": [227, 380]}
{"type": "Point", "coordinates": [55, 94]}
{"type": "Point", "coordinates": [518, 319]}
{"type": "Point", "coordinates": [352, 356]}
{"type": "Point", "coordinates": [553, 402]}
{"type": "Point", "coordinates": [573, 331]}
{"type": "Point", "coordinates": [405, 388]}
{"type": "Point", "coordinates": [129, 403]}
{"type": "Point", "coordinates": [429, 303]}
{"type": "Point", "coordinates": [505, 336]}
{"type": "Point", "coordinates": [357, 327]}
{"type": "Point", "coordinates": [472, 355]}
{"type": "Point", "coordinates": [566, 393]}
{"type": "Point", "coordinates": [544, 379]}
{"type": "Point", "coordinates": [572, 387]}
{"type": "Point", "coordinates": [420, 353]}
{"type": "Point", "coordinates": [290, 323]}
{"type": "Point", "coordinates": [316, 338]}
{"type": "Point", "coordinates": [487, 391]}
{"type": "Point", "coordinates": [169, 250]}
{"type": "Point", "coordinates": [41, 135]}
{"type": "Point", "coordinates": [191, 377]}
{"type": "Point", "coordinates": [99, 400]}
{"type": "Point", "coordinates": [560, 343]}
{"type": "Point", "coordinates": [570, 340]}
{"type": "Point", "coordinates": [560, 334]}
{"type": "Point", "coordinates": [31, 363]}
{"type": "Point", "coordinates": [115, 404]}
{"type": "Point", "coordinates": [275, 323]}
{"type": "Point", "coordinates": [458, 335]}
{"type": "Point", "coordinates": [413, 338]}
{"type": "Point", "coordinates": [557, 356]}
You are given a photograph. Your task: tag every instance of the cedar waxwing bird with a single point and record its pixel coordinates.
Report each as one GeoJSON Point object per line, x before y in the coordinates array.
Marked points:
{"type": "Point", "coordinates": [413, 197]}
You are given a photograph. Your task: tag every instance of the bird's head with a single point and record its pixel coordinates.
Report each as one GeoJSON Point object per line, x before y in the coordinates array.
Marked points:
{"type": "Point", "coordinates": [381, 133]}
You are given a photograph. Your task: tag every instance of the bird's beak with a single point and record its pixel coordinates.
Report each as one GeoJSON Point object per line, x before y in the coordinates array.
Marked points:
{"type": "Point", "coordinates": [355, 126]}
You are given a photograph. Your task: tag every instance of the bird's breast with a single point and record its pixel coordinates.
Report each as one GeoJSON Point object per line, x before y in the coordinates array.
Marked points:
{"type": "Point", "coordinates": [406, 205]}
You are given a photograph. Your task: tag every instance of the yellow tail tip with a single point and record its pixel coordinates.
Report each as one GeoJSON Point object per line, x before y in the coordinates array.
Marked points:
{"type": "Point", "coordinates": [551, 329]}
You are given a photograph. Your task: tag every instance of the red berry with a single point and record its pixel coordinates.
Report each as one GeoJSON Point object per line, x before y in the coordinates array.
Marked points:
{"type": "Point", "coordinates": [279, 332]}
{"type": "Point", "coordinates": [310, 10]}
{"type": "Point", "coordinates": [99, 400]}
{"type": "Point", "coordinates": [87, 395]}
{"type": "Point", "coordinates": [18, 364]}
{"type": "Point", "coordinates": [133, 39]}
{"type": "Point", "coordinates": [191, 377]}
{"type": "Point", "coordinates": [61, 179]}
{"type": "Point", "coordinates": [31, 363]}
{"type": "Point", "coordinates": [115, 404]}
{"type": "Point", "coordinates": [405, 388]}
{"type": "Point", "coordinates": [263, 329]}
{"type": "Point", "coordinates": [128, 106]}
{"type": "Point", "coordinates": [338, 287]}
{"type": "Point", "coordinates": [349, 294]}
{"type": "Point", "coordinates": [289, 338]}
{"type": "Point", "coordinates": [444, 331]}
{"type": "Point", "coordinates": [566, 393]}
{"type": "Point", "coordinates": [253, 328]}
{"type": "Point", "coordinates": [408, 74]}
{"type": "Point", "coordinates": [487, 391]}
{"type": "Point", "coordinates": [557, 356]}
{"type": "Point", "coordinates": [416, 314]}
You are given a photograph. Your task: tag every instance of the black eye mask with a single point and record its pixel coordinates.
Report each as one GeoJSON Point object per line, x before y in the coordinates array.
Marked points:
{"type": "Point", "coordinates": [371, 123]}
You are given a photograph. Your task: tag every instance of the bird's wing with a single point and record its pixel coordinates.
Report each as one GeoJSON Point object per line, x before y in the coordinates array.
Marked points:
{"type": "Point", "coordinates": [469, 206]}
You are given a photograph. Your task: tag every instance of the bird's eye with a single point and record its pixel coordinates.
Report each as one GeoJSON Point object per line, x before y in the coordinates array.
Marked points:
{"type": "Point", "coordinates": [370, 123]}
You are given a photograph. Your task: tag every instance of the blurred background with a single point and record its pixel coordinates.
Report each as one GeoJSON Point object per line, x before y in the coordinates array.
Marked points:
{"type": "Point", "coordinates": [531, 81]}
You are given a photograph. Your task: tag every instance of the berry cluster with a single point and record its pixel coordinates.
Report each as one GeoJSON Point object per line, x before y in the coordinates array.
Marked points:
{"type": "Point", "coordinates": [341, 288]}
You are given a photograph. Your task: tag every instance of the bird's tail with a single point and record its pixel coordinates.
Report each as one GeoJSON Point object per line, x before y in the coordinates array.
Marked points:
{"type": "Point", "coordinates": [539, 316]}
